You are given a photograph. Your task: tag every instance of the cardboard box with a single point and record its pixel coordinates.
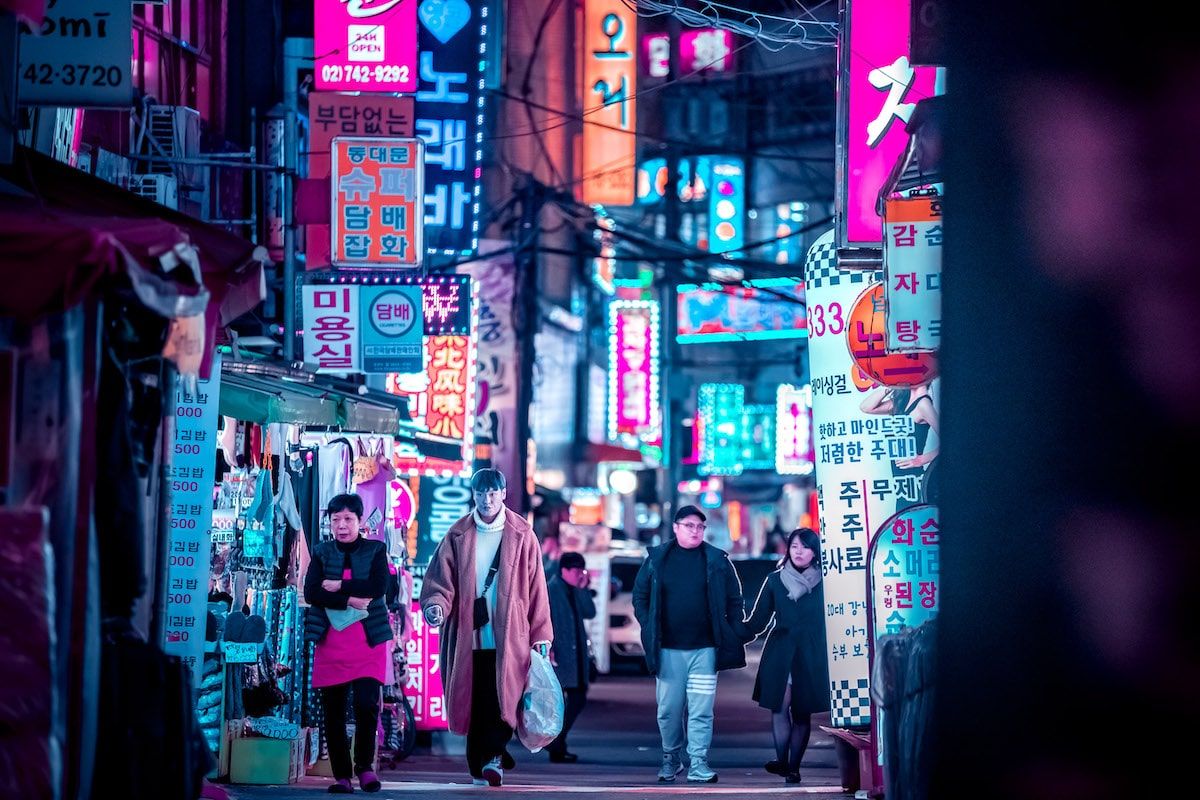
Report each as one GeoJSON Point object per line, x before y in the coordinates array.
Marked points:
{"type": "Point", "coordinates": [267, 762]}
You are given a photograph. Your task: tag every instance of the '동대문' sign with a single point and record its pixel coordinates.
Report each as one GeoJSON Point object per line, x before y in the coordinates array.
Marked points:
{"type": "Point", "coordinates": [365, 45]}
{"type": "Point", "coordinates": [392, 329]}
{"type": "Point", "coordinates": [377, 186]}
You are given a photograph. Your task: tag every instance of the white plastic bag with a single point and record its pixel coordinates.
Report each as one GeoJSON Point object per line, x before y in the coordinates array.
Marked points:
{"type": "Point", "coordinates": [541, 717]}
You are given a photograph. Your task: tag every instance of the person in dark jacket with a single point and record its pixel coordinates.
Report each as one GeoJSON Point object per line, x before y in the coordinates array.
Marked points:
{"type": "Point", "coordinates": [793, 676]}
{"type": "Point", "coordinates": [570, 604]}
{"type": "Point", "coordinates": [688, 601]}
{"type": "Point", "coordinates": [345, 587]}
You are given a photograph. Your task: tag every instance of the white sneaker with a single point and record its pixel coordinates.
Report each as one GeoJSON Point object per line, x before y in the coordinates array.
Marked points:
{"type": "Point", "coordinates": [700, 772]}
{"type": "Point", "coordinates": [671, 766]}
{"type": "Point", "coordinates": [478, 782]}
{"type": "Point", "coordinates": [493, 773]}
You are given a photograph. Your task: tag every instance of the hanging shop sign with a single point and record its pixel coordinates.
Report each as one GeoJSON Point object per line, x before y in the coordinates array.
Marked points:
{"type": "Point", "coordinates": [423, 679]}
{"type": "Point", "coordinates": [191, 476]}
{"type": "Point", "coordinates": [81, 56]}
{"type": "Point", "coordinates": [905, 570]}
{"type": "Point", "coordinates": [793, 430]}
{"type": "Point", "coordinates": [633, 391]}
{"type": "Point", "coordinates": [880, 90]}
{"type": "Point", "coordinates": [453, 38]}
{"type": "Point", "coordinates": [706, 50]}
{"type": "Point", "coordinates": [443, 401]}
{"type": "Point", "coordinates": [376, 215]}
{"type": "Point", "coordinates": [657, 49]}
{"type": "Point", "coordinates": [758, 437]}
{"type": "Point", "coordinates": [441, 503]}
{"type": "Point", "coordinates": [365, 45]}
{"type": "Point", "coordinates": [331, 326]}
{"type": "Point", "coordinates": [912, 268]}
{"type": "Point", "coordinates": [332, 114]}
{"type": "Point", "coordinates": [866, 336]}
{"type": "Point", "coordinates": [769, 308]}
{"type": "Point", "coordinates": [609, 84]}
{"type": "Point", "coordinates": [726, 205]}
{"type": "Point", "coordinates": [392, 329]}
{"type": "Point", "coordinates": [719, 419]}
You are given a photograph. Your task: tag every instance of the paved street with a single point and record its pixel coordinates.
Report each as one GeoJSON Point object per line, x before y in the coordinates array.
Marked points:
{"type": "Point", "coordinates": [617, 742]}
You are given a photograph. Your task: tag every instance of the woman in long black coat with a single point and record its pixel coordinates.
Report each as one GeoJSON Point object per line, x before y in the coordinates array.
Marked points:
{"type": "Point", "coordinates": [793, 676]}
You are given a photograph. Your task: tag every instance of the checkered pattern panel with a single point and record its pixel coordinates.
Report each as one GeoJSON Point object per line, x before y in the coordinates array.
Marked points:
{"type": "Point", "coordinates": [821, 267]}
{"type": "Point", "coordinates": [851, 702]}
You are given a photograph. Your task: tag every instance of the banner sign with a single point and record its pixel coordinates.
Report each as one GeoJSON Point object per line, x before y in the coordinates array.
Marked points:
{"type": "Point", "coordinates": [423, 682]}
{"type": "Point", "coordinates": [451, 103]}
{"type": "Point", "coordinates": [633, 399]}
{"type": "Point", "coordinates": [719, 420]}
{"type": "Point", "coordinates": [191, 477]}
{"type": "Point", "coordinates": [769, 308]}
{"type": "Point", "coordinates": [82, 56]}
{"type": "Point", "coordinates": [376, 188]}
{"type": "Point", "coordinates": [905, 570]}
{"type": "Point", "coordinates": [912, 268]}
{"type": "Point", "coordinates": [879, 90]}
{"type": "Point", "coordinates": [793, 429]}
{"type": "Point", "coordinates": [609, 162]}
{"type": "Point", "coordinates": [365, 45]}
{"type": "Point", "coordinates": [331, 328]}
{"type": "Point", "coordinates": [393, 327]}
{"type": "Point", "coordinates": [441, 503]}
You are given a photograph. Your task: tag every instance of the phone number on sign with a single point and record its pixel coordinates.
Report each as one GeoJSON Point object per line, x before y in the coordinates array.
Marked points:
{"type": "Point", "coordinates": [74, 74]}
{"type": "Point", "coordinates": [338, 73]}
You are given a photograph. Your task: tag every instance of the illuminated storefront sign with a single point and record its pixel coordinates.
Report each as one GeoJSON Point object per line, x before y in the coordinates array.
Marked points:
{"type": "Point", "coordinates": [633, 400]}
{"type": "Point", "coordinates": [769, 308]}
{"type": "Point", "coordinates": [793, 430]}
{"type": "Point", "coordinates": [758, 437]}
{"type": "Point", "coordinates": [609, 85]}
{"type": "Point", "coordinates": [451, 104]}
{"type": "Point", "coordinates": [726, 205]}
{"type": "Point", "coordinates": [706, 50]}
{"type": "Point", "coordinates": [912, 268]}
{"type": "Point", "coordinates": [657, 47]}
{"type": "Point", "coordinates": [331, 327]}
{"type": "Point", "coordinates": [905, 570]}
{"type": "Point", "coordinates": [720, 416]}
{"type": "Point", "coordinates": [880, 90]}
{"type": "Point", "coordinates": [365, 46]}
{"type": "Point", "coordinates": [376, 213]}
{"type": "Point", "coordinates": [423, 679]}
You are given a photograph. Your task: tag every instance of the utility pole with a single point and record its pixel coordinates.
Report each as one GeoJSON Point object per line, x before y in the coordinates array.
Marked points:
{"type": "Point", "coordinates": [525, 324]}
{"type": "Point", "coordinates": [672, 381]}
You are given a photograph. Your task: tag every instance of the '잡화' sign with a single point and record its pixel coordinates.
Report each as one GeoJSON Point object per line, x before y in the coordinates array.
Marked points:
{"type": "Point", "coordinates": [366, 45]}
{"type": "Point", "coordinates": [393, 328]}
{"type": "Point", "coordinates": [378, 197]}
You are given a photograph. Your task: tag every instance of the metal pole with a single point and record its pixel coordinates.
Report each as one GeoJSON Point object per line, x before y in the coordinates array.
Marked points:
{"type": "Point", "coordinates": [526, 311]}
{"type": "Point", "coordinates": [289, 239]}
{"type": "Point", "coordinates": [671, 379]}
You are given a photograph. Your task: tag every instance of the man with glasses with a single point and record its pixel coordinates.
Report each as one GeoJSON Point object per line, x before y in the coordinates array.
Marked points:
{"type": "Point", "coordinates": [688, 600]}
{"type": "Point", "coordinates": [570, 604]}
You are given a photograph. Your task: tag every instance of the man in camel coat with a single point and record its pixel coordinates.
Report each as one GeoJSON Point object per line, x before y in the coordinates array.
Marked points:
{"type": "Point", "coordinates": [490, 554]}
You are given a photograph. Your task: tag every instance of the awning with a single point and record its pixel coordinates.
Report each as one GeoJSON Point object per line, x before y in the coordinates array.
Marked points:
{"type": "Point", "coordinates": [599, 453]}
{"type": "Point", "coordinates": [99, 224]}
{"type": "Point", "coordinates": [254, 399]}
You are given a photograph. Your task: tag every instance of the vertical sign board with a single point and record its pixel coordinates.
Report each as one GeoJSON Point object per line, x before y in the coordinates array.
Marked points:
{"type": "Point", "coordinates": [905, 570]}
{"type": "Point", "coordinates": [376, 186]}
{"type": "Point", "coordinates": [191, 475]}
{"type": "Point", "coordinates": [880, 89]}
{"type": "Point", "coordinates": [726, 205]}
{"type": "Point", "coordinates": [853, 475]}
{"type": "Point", "coordinates": [330, 115]}
{"type": "Point", "coordinates": [912, 268]}
{"type": "Point", "coordinates": [423, 679]}
{"type": "Point", "coordinates": [331, 328]}
{"type": "Point", "coordinates": [365, 45]}
{"type": "Point", "coordinates": [609, 84]}
{"type": "Point", "coordinates": [758, 437]}
{"type": "Point", "coordinates": [719, 418]}
{"type": "Point", "coordinates": [451, 103]}
{"type": "Point", "coordinates": [441, 503]}
{"type": "Point", "coordinates": [633, 368]}
{"type": "Point", "coordinates": [706, 50]}
{"type": "Point", "coordinates": [392, 328]}
{"type": "Point", "coordinates": [82, 57]}
{"type": "Point", "coordinates": [793, 430]}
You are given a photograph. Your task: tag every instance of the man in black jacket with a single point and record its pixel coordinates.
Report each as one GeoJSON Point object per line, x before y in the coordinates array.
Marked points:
{"type": "Point", "coordinates": [570, 604]}
{"type": "Point", "coordinates": [688, 600]}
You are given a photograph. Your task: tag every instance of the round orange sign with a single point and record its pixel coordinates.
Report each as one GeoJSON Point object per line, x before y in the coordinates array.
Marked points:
{"type": "Point", "coordinates": [866, 336]}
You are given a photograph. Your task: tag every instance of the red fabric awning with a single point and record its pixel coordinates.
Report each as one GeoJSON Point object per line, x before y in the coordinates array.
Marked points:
{"type": "Point", "coordinates": [598, 453]}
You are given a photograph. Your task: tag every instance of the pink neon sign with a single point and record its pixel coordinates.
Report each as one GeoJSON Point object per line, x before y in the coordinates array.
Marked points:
{"type": "Point", "coordinates": [709, 50]}
{"type": "Point", "coordinates": [882, 89]}
{"type": "Point", "coordinates": [633, 395]}
{"type": "Point", "coordinates": [365, 45]}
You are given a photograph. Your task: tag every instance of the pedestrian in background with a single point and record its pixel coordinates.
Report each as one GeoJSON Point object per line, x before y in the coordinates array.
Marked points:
{"type": "Point", "coordinates": [688, 601]}
{"type": "Point", "coordinates": [570, 604]}
{"type": "Point", "coordinates": [486, 588]}
{"type": "Point", "coordinates": [348, 620]}
{"type": "Point", "coordinates": [793, 676]}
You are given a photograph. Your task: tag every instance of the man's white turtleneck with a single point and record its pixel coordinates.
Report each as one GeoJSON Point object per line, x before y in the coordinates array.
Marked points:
{"type": "Point", "coordinates": [487, 543]}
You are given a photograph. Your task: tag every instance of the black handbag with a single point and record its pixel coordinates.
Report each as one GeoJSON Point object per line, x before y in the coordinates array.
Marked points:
{"type": "Point", "coordinates": [480, 608]}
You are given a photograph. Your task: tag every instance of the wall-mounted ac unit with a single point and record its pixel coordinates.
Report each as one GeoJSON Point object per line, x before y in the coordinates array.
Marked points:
{"type": "Point", "coordinates": [166, 134]}
{"type": "Point", "coordinates": [162, 189]}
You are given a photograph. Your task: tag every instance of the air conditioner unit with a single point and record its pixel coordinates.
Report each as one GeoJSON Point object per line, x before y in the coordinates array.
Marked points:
{"type": "Point", "coordinates": [166, 134]}
{"type": "Point", "coordinates": [162, 189]}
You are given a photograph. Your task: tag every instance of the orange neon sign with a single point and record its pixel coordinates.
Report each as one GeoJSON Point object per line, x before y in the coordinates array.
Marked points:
{"type": "Point", "coordinates": [609, 85]}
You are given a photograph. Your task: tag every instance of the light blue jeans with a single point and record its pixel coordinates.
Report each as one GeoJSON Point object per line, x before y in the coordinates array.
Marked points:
{"type": "Point", "coordinates": [687, 679]}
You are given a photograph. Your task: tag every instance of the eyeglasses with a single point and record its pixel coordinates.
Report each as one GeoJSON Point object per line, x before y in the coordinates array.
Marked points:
{"type": "Point", "coordinates": [693, 526]}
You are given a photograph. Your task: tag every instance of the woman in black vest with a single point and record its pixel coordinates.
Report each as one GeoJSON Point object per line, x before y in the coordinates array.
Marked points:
{"type": "Point", "coordinates": [793, 676]}
{"type": "Point", "coordinates": [348, 621]}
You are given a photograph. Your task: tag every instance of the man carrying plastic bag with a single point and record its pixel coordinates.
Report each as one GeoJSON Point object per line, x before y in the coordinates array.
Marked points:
{"type": "Point", "coordinates": [542, 708]}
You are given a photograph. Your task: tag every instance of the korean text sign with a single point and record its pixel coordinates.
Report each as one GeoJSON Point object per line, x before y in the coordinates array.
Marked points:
{"type": "Point", "coordinates": [450, 111]}
{"type": "Point", "coordinates": [881, 89]}
{"type": "Point", "coordinates": [331, 326]}
{"type": "Point", "coordinates": [793, 430]}
{"type": "Point", "coordinates": [905, 570]}
{"type": "Point", "coordinates": [392, 328]}
{"type": "Point", "coordinates": [423, 678]}
{"type": "Point", "coordinates": [365, 45]}
{"type": "Point", "coordinates": [451, 372]}
{"type": "Point", "coordinates": [377, 186]}
{"type": "Point", "coordinates": [191, 476]}
{"type": "Point", "coordinates": [912, 265]}
{"type": "Point", "coordinates": [609, 83]}
{"type": "Point", "coordinates": [633, 368]}
{"type": "Point", "coordinates": [82, 56]}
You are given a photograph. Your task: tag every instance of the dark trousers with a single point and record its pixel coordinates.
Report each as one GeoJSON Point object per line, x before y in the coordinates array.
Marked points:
{"type": "Point", "coordinates": [367, 697]}
{"type": "Point", "coordinates": [574, 701]}
{"type": "Point", "coordinates": [488, 734]}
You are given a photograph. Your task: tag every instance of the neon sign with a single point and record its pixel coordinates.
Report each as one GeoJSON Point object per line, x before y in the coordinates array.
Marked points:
{"type": "Point", "coordinates": [633, 396]}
